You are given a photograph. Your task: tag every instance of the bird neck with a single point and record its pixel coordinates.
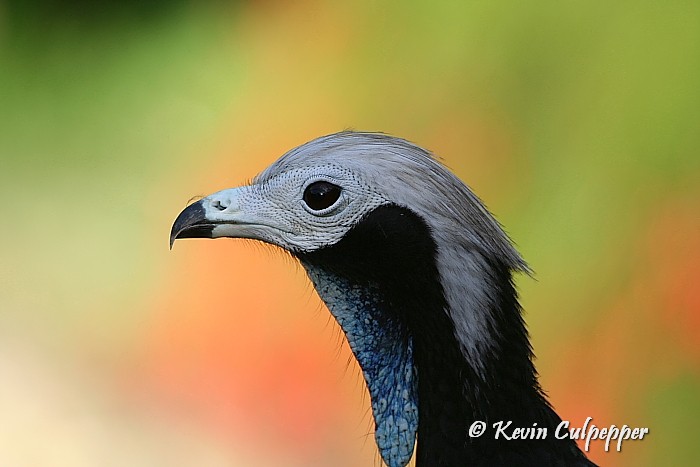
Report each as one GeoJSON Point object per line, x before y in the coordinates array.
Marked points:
{"type": "Point", "coordinates": [382, 283]}
{"type": "Point", "coordinates": [496, 383]}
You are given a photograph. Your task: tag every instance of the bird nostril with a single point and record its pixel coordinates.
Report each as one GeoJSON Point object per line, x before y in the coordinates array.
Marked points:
{"type": "Point", "coordinates": [217, 205]}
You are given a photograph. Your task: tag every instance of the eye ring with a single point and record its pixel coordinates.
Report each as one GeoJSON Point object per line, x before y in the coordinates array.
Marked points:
{"type": "Point", "coordinates": [321, 195]}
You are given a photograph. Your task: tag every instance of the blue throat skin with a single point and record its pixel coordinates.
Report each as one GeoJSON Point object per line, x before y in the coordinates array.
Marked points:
{"type": "Point", "coordinates": [381, 284]}
{"type": "Point", "coordinates": [384, 350]}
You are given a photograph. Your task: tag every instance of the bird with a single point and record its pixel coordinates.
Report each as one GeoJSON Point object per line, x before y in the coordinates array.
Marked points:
{"type": "Point", "coordinates": [420, 277]}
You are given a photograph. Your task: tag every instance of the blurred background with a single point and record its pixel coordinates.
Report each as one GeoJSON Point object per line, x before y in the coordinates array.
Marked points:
{"type": "Point", "coordinates": [577, 122]}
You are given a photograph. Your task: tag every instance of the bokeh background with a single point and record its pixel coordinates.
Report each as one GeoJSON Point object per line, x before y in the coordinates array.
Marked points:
{"type": "Point", "coordinates": [577, 122]}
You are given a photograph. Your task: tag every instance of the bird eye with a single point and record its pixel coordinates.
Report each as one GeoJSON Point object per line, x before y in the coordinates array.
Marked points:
{"type": "Point", "coordinates": [321, 195]}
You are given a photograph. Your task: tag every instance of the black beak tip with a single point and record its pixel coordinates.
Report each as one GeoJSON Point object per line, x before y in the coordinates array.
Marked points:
{"type": "Point", "coordinates": [191, 223]}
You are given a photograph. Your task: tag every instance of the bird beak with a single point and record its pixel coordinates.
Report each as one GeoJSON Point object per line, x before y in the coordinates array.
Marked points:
{"type": "Point", "coordinates": [232, 213]}
{"type": "Point", "coordinates": [192, 223]}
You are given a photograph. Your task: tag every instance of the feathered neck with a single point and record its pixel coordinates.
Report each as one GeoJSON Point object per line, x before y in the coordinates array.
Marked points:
{"type": "Point", "coordinates": [384, 285]}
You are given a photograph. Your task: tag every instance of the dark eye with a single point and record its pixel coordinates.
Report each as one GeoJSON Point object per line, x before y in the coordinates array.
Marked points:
{"type": "Point", "coordinates": [321, 195]}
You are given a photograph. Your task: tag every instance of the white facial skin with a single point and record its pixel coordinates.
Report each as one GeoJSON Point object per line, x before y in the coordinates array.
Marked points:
{"type": "Point", "coordinates": [274, 210]}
